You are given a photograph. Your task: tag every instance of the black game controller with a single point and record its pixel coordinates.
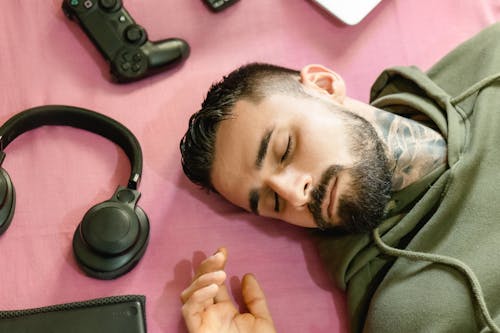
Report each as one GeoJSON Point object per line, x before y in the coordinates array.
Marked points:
{"type": "Point", "coordinates": [122, 42]}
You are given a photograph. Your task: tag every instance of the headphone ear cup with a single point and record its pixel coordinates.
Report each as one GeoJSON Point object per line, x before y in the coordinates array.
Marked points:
{"type": "Point", "coordinates": [112, 237]}
{"type": "Point", "coordinates": [7, 200]}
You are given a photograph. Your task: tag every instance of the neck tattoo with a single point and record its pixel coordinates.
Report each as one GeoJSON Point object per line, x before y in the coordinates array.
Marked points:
{"type": "Point", "coordinates": [413, 149]}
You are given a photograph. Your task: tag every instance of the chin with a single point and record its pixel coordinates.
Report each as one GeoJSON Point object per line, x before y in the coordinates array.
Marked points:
{"type": "Point", "coordinates": [363, 218]}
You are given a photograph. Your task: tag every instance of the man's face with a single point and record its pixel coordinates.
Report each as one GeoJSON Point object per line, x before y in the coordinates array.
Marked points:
{"type": "Point", "coordinates": [303, 161]}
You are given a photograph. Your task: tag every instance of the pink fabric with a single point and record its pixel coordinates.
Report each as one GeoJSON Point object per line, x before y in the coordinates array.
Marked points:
{"type": "Point", "coordinates": [60, 172]}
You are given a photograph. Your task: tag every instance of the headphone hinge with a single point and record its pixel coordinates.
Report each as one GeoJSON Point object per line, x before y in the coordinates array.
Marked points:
{"type": "Point", "coordinates": [133, 182]}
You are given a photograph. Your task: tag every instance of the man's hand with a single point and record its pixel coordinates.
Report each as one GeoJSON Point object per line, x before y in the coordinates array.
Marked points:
{"type": "Point", "coordinates": [208, 307]}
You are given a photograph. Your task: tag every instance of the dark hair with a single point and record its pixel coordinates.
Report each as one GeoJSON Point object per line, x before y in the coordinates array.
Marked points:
{"type": "Point", "coordinates": [251, 82]}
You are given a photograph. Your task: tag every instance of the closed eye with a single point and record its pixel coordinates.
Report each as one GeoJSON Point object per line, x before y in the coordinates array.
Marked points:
{"type": "Point", "coordinates": [287, 150]}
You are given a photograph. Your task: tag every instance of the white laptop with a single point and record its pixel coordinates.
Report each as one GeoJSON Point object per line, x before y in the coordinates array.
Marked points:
{"type": "Point", "coordinates": [348, 11]}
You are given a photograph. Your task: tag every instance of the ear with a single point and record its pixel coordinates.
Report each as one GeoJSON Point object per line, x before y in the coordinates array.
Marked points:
{"type": "Point", "coordinates": [324, 80]}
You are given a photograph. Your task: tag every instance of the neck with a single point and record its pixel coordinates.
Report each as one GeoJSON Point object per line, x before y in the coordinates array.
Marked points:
{"type": "Point", "coordinates": [414, 150]}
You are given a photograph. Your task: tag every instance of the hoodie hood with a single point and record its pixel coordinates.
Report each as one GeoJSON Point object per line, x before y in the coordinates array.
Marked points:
{"type": "Point", "coordinates": [433, 222]}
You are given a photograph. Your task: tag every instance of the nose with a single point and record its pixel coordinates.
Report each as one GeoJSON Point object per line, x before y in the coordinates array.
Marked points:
{"type": "Point", "coordinates": [291, 185]}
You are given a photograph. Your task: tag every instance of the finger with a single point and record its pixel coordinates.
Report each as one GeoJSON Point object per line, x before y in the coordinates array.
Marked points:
{"type": "Point", "coordinates": [215, 262]}
{"type": "Point", "coordinates": [217, 277]}
{"type": "Point", "coordinates": [194, 307]}
{"type": "Point", "coordinates": [254, 298]}
{"type": "Point", "coordinates": [223, 294]}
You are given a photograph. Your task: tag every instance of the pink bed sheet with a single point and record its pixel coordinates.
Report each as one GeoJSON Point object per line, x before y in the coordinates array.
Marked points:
{"type": "Point", "coordinates": [60, 172]}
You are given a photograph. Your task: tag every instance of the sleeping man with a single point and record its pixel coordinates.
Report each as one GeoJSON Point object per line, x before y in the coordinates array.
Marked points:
{"type": "Point", "coordinates": [404, 192]}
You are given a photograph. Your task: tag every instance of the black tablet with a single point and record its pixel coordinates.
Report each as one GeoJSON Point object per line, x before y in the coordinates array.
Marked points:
{"type": "Point", "coordinates": [117, 314]}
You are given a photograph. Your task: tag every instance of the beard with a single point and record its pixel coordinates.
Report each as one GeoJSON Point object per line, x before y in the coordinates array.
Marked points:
{"type": "Point", "coordinates": [361, 208]}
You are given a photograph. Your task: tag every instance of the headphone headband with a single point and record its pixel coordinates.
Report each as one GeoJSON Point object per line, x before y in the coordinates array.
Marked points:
{"type": "Point", "coordinates": [63, 115]}
{"type": "Point", "coordinates": [113, 235]}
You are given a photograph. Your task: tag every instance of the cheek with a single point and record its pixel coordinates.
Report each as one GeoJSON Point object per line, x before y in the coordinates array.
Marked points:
{"type": "Point", "coordinates": [301, 218]}
{"type": "Point", "coordinates": [328, 141]}
{"type": "Point", "coordinates": [318, 150]}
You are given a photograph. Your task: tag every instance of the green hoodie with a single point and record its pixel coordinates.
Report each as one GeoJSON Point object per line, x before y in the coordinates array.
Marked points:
{"type": "Point", "coordinates": [433, 265]}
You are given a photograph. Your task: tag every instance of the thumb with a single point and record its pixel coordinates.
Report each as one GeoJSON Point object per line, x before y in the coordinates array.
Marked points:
{"type": "Point", "coordinates": [254, 298]}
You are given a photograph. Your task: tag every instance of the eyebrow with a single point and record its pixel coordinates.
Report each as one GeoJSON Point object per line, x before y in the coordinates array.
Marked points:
{"type": "Point", "coordinates": [254, 201]}
{"type": "Point", "coordinates": [254, 195]}
{"type": "Point", "coordinates": [264, 144]}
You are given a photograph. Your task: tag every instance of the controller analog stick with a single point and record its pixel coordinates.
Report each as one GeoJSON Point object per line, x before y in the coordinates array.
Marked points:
{"type": "Point", "coordinates": [109, 5]}
{"type": "Point", "coordinates": [135, 34]}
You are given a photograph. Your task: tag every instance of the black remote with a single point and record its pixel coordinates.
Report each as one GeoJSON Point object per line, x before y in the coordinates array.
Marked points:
{"type": "Point", "coordinates": [122, 42]}
{"type": "Point", "coordinates": [218, 5]}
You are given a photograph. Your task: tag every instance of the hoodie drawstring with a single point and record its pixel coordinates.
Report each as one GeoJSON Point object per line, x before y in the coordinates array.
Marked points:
{"type": "Point", "coordinates": [475, 88]}
{"type": "Point", "coordinates": [445, 260]}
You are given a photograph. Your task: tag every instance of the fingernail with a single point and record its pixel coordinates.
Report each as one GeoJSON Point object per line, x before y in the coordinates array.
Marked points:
{"type": "Point", "coordinates": [217, 254]}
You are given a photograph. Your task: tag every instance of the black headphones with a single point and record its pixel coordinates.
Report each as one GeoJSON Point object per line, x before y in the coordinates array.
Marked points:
{"type": "Point", "coordinates": [113, 235]}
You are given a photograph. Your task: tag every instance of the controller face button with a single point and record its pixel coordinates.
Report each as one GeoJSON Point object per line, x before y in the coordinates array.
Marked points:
{"type": "Point", "coordinates": [126, 56]}
{"type": "Point", "coordinates": [74, 3]}
{"type": "Point", "coordinates": [88, 4]}
{"type": "Point", "coordinates": [136, 67]}
{"type": "Point", "coordinates": [126, 66]}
